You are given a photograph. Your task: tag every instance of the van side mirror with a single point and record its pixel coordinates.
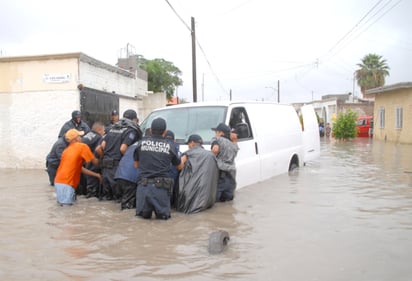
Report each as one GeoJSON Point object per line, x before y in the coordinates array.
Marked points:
{"type": "Point", "coordinates": [242, 130]}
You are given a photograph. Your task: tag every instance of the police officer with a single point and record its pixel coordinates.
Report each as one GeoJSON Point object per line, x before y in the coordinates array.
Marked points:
{"type": "Point", "coordinates": [126, 177]}
{"type": "Point", "coordinates": [174, 173]}
{"type": "Point", "coordinates": [74, 123]}
{"type": "Point", "coordinates": [93, 140]}
{"type": "Point", "coordinates": [115, 143]}
{"type": "Point", "coordinates": [113, 120]}
{"type": "Point", "coordinates": [54, 157]}
{"type": "Point", "coordinates": [153, 157]}
{"type": "Point", "coordinates": [224, 146]}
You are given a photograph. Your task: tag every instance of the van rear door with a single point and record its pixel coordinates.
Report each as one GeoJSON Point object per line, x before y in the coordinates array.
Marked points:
{"type": "Point", "coordinates": [311, 139]}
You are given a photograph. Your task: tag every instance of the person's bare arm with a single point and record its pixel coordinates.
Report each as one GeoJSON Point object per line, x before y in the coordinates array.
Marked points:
{"type": "Point", "coordinates": [183, 160]}
{"type": "Point", "coordinates": [91, 173]}
{"type": "Point", "coordinates": [123, 148]}
{"type": "Point", "coordinates": [100, 148]}
{"type": "Point", "coordinates": [95, 161]}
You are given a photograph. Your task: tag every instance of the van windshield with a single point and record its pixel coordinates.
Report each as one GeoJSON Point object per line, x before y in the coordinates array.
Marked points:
{"type": "Point", "coordinates": [184, 121]}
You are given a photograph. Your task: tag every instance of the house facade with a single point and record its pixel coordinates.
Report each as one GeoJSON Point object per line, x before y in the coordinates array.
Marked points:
{"type": "Point", "coordinates": [393, 112]}
{"type": "Point", "coordinates": [38, 94]}
{"type": "Point", "coordinates": [329, 107]}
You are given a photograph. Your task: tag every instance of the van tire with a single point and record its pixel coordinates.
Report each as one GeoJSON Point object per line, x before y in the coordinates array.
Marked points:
{"type": "Point", "coordinates": [293, 168]}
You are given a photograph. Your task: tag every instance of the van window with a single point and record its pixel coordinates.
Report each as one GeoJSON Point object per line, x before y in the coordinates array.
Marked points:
{"type": "Point", "coordinates": [239, 122]}
{"type": "Point", "coordinates": [185, 121]}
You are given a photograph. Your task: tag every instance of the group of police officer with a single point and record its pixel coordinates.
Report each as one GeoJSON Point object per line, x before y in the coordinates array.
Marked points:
{"type": "Point", "coordinates": [122, 149]}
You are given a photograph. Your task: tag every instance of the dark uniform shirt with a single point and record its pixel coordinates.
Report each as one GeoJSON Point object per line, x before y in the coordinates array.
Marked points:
{"type": "Point", "coordinates": [108, 127]}
{"type": "Point", "coordinates": [73, 125]}
{"type": "Point", "coordinates": [118, 135]}
{"type": "Point", "coordinates": [55, 153]}
{"type": "Point", "coordinates": [155, 155]}
{"type": "Point", "coordinates": [92, 139]}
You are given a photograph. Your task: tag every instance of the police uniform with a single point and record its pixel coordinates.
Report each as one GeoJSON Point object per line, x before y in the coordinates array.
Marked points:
{"type": "Point", "coordinates": [71, 124]}
{"type": "Point", "coordinates": [126, 177]}
{"type": "Point", "coordinates": [92, 139]}
{"type": "Point", "coordinates": [174, 173]}
{"type": "Point", "coordinates": [53, 158]}
{"type": "Point", "coordinates": [112, 122]}
{"type": "Point", "coordinates": [226, 164]}
{"type": "Point", "coordinates": [123, 132]}
{"type": "Point", "coordinates": [154, 155]}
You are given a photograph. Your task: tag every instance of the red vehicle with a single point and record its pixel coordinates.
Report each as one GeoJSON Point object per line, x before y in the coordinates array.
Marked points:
{"type": "Point", "coordinates": [364, 125]}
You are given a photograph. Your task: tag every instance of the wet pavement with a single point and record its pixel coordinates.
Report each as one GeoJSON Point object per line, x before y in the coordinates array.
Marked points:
{"type": "Point", "coordinates": [347, 216]}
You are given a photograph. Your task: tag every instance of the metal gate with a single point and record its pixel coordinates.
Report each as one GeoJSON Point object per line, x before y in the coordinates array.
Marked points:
{"type": "Point", "coordinates": [97, 105]}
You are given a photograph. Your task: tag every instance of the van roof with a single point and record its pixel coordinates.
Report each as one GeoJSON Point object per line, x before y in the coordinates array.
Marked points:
{"type": "Point", "coordinates": [217, 103]}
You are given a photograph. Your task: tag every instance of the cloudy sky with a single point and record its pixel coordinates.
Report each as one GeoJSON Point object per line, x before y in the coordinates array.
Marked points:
{"type": "Point", "coordinates": [244, 46]}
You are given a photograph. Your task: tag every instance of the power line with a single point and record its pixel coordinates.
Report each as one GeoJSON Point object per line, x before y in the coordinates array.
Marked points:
{"type": "Point", "coordinates": [353, 28]}
{"type": "Point", "coordinates": [211, 69]}
{"type": "Point", "coordinates": [357, 27]}
{"type": "Point", "coordinates": [173, 9]}
{"type": "Point", "coordinates": [369, 26]}
{"type": "Point", "coordinates": [200, 47]}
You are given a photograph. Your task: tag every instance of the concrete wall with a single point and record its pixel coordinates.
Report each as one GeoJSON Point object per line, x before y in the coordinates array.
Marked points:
{"type": "Point", "coordinates": [144, 105]}
{"type": "Point", "coordinates": [150, 102]}
{"type": "Point", "coordinates": [125, 104]}
{"type": "Point", "coordinates": [390, 101]}
{"type": "Point", "coordinates": [34, 104]}
{"type": "Point", "coordinates": [30, 123]}
{"type": "Point", "coordinates": [108, 81]}
{"type": "Point", "coordinates": [35, 75]}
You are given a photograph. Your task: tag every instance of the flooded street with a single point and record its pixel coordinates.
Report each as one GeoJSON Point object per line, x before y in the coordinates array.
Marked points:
{"type": "Point", "coordinates": [347, 216]}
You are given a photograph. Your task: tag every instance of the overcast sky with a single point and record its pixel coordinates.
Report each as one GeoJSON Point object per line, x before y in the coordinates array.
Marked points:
{"type": "Point", "coordinates": [311, 47]}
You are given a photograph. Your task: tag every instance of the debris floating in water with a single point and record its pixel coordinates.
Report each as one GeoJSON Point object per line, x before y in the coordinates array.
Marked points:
{"type": "Point", "coordinates": [218, 241]}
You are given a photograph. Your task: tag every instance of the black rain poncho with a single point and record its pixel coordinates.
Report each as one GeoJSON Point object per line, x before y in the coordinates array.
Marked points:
{"type": "Point", "coordinates": [197, 181]}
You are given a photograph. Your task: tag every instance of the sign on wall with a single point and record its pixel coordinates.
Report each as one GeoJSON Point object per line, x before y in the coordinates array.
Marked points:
{"type": "Point", "coordinates": [56, 78]}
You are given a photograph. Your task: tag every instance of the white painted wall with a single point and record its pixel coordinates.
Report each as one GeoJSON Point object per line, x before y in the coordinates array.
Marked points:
{"type": "Point", "coordinates": [149, 103]}
{"type": "Point", "coordinates": [30, 123]}
{"type": "Point", "coordinates": [109, 81]}
{"type": "Point", "coordinates": [125, 104]}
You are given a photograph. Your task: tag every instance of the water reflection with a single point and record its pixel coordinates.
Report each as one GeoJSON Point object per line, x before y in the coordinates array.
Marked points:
{"type": "Point", "coordinates": [347, 216]}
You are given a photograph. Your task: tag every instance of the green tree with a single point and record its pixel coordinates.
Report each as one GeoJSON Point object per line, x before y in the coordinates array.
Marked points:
{"type": "Point", "coordinates": [372, 72]}
{"type": "Point", "coordinates": [345, 126]}
{"type": "Point", "coordinates": [163, 76]}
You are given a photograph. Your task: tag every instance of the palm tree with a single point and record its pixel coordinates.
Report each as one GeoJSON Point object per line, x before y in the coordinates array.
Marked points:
{"type": "Point", "coordinates": [372, 72]}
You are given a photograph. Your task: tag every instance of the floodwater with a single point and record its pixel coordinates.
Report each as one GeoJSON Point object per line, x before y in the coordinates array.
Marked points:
{"type": "Point", "coordinates": [347, 216]}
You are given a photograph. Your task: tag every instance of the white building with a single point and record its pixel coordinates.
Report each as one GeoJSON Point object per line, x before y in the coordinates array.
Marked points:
{"type": "Point", "coordinates": [39, 93]}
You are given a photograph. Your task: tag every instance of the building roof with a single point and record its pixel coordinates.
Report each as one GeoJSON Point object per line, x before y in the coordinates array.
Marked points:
{"type": "Point", "coordinates": [80, 56]}
{"type": "Point", "coordinates": [389, 88]}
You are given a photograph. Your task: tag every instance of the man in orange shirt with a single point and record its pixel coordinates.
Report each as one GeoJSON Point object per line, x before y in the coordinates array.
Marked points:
{"type": "Point", "coordinates": [71, 165]}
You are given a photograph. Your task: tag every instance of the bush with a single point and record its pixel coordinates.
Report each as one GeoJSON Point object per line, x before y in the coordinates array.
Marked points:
{"type": "Point", "coordinates": [345, 126]}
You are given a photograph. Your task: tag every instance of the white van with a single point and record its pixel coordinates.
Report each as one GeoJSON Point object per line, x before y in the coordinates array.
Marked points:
{"type": "Point", "coordinates": [270, 136]}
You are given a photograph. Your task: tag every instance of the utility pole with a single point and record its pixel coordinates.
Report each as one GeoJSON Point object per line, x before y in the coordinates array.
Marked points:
{"type": "Point", "coordinates": [203, 87]}
{"type": "Point", "coordinates": [230, 95]}
{"type": "Point", "coordinates": [353, 92]}
{"type": "Point", "coordinates": [278, 91]}
{"type": "Point", "coordinates": [194, 61]}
